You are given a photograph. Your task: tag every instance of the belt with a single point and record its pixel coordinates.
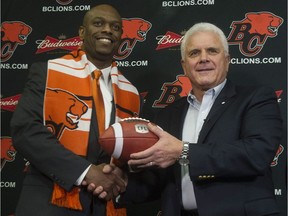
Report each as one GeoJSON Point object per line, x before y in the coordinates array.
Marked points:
{"type": "Point", "coordinates": [193, 212]}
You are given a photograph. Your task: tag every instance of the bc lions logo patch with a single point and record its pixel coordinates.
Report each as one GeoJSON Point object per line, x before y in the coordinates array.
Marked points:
{"type": "Point", "coordinates": [134, 30]}
{"type": "Point", "coordinates": [68, 114]}
{"type": "Point", "coordinates": [8, 152]}
{"type": "Point", "coordinates": [252, 32]}
{"type": "Point", "coordinates": [14, 33]}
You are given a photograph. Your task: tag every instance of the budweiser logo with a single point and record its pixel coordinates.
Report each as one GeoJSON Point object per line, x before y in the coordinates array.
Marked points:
{"type": "Point", "coordinates": [9, 104]}
{"type": "Point", "coordinates": [278, 93]}
{"type": "Point", "coordinates": [50, 43]}
{"type": "Point", "coordinates": [170, 39]}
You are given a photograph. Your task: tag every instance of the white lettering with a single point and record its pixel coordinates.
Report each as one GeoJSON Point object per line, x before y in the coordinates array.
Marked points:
{"type": "Point", "coordinates": [11, 102]}
{"type": "Point", "coordinates": [138, 63]}
{"type": "Point", "coordinates": [8, 184]}
{"type": "Point", "coordinates": [187, 3]}
{"type": "Point", "coordinates": [48, 44]}
{"type": "Point", "coordinates": [266, 60]}
{"type": "Point", "coordinates": [278, 192]}
{"type": "Point", "coordinates": [167, 39]}
{"type": "Point", "coordinates": [65, 8]}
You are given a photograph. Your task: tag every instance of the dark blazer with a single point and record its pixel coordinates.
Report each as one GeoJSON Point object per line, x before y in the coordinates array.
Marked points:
{"type": "Point", "coordinates": [49, 161]}
{"type": "Point", "coordinates": [230, 164]}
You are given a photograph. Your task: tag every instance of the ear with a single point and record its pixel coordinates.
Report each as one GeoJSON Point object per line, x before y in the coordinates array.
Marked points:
{"type": "Point", "coordinates": [81, 32]}
{"type": "Point", "coordinates": [228, 58]}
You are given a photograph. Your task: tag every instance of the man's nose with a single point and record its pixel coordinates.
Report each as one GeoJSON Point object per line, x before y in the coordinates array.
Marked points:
{"type": "Point", "coordinates": [107, 28]}
{"type": "Point", "coordinates": [204, 56]}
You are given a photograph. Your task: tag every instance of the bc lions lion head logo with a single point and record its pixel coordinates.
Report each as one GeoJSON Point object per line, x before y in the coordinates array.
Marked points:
{"type": "Point", "coordinates": [14, 33]}
{"type": "Point", "coordinates": [252, 32]}
{"type": "Point", "coordinates": [134, 30]}
{"type": "Point", "coordinates": [264, 23]}
{"type": "Point", "coordinates": [8, 152]}
{"type": "Point", "coordinates": [68, 113]}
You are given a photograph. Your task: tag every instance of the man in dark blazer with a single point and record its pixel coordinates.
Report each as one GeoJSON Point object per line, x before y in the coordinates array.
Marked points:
{"type": "Point", "coordinates": [217, 144]}
{"type": "Point", "coordinates": [49, 126]}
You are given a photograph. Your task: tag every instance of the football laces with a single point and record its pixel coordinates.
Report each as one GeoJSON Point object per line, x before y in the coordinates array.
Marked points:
{"type": "Point", "coordinates": [133, 119]}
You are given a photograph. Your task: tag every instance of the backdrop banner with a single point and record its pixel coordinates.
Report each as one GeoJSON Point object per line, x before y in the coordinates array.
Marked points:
{"type": "Point", "coordinates": [149, 56]}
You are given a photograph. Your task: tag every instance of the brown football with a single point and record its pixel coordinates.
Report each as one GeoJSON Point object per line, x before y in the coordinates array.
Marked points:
{"type": "Point", "coordinates": [126, 137]}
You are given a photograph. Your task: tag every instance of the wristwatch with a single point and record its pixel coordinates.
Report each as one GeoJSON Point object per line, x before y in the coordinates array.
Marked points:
{"type": "Point", "coordinates": [183, 159]}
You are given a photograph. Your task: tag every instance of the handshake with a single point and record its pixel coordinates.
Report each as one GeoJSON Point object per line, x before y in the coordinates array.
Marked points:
{"type": "Point", "coordinates": [106, 181]}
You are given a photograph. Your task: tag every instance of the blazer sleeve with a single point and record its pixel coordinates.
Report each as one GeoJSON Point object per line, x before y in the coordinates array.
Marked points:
{"type": "Point", "coordinates": [32, 139]}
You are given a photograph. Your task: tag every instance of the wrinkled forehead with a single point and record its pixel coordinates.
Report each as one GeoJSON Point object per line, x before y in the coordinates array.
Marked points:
{"type": "Point", "coordinates": [205, 38]}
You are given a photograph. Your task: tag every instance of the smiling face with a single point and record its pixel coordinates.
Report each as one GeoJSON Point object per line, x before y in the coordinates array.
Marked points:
{"type": "Point", "coordinates": [101, 34]}
{"type": "Point", "coordinates": [205, 63]}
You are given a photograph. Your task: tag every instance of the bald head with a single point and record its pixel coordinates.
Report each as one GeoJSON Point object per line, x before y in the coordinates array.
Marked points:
{"type": "Point", "coordinates": [99, 9]}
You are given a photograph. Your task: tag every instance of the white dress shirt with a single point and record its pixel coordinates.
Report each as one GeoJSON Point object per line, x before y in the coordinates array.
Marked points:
{"type": "Point", "coordinates": [107, 92]}
{"type": "Point", "coordinates": [195, 117]}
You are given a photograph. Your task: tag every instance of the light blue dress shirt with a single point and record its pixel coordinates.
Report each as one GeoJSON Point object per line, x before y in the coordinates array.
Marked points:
{"type": "Point", "coordinates": [195, 117]}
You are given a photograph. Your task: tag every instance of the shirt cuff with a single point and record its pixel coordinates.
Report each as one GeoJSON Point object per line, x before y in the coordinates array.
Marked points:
{"type": "Point", "coordinates": [82, 176]}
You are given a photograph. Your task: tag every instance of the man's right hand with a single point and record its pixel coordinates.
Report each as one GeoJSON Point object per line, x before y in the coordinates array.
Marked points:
{"type": "Point", "coordinates": [108, 181]}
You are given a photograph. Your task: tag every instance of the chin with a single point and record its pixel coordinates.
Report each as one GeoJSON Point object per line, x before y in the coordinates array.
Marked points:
{"type": "Point", "coordinates": [207, 86]}
{"type": "Point", "coordinates": [103, 55]}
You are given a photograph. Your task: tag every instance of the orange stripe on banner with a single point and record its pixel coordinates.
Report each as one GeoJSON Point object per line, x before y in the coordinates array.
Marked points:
{"type": "Point", "coordinates": [122, 81]}
{"type": "Point", "coordinates": [127, 99]}
{"type": "Point", "coordinates": [72, 137]}
{"type": "Point", "coordinates": [72, 85]}
{"type": "Point", "coordinates": [123, 115]}
{"type": "Point", "coordinates": [65, 65]}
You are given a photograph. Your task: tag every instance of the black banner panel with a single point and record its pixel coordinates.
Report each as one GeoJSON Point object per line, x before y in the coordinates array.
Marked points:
{"type": "Point", "coordinates": [149, 56]}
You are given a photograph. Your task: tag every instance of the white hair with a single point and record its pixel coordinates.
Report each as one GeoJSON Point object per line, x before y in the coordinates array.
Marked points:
{"type": "Point", "coordinates": [204, 27]}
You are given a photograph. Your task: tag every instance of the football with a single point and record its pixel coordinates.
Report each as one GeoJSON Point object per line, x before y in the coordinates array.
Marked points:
{"type": "Point", "coordinates": [128, 136]}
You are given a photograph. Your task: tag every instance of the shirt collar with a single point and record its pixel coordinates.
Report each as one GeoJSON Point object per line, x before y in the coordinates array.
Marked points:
{"type": "Point", "coordinates": [214, 91]}
{"type": "Point", "coordinates": [105, 71]}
